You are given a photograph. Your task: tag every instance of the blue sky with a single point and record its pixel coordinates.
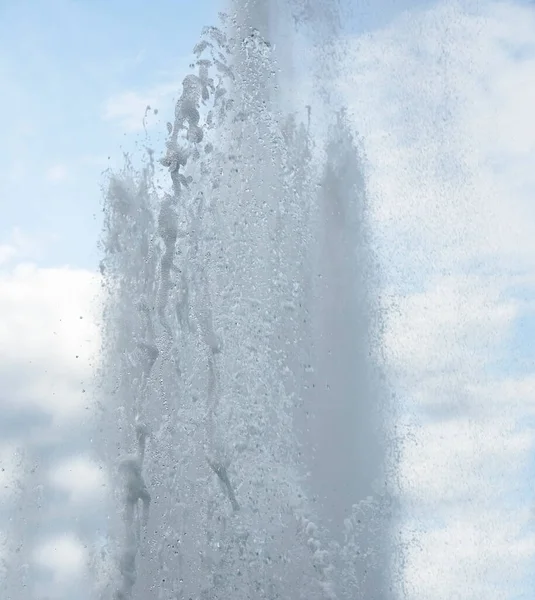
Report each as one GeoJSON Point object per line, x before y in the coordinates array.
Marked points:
{"type": "Point", "coordinates": [60, 63]}
{"type": "Point", "coordinates": [428, 84]}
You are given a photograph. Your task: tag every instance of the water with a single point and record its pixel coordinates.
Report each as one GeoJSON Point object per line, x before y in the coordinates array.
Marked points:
{"type": "Point", "coordinates": [241, 404]}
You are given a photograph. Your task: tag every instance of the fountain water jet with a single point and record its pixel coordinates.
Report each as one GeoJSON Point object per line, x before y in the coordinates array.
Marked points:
{"type": "Point", "coordinates": [238, 304]}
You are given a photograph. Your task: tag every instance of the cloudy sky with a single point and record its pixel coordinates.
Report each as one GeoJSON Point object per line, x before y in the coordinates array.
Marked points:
{"type": "Point", "coordinates": [442, 94]}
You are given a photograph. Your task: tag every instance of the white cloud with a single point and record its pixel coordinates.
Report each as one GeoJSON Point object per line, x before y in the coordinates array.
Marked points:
{"type": "Point", "coordinates": [7, 253]}
{"type": "Point", "coordinates": [57, 173]}
{"type": "Point", "coordinates": [443, 101]}
{"type": "Point", "coordinates": [433, 329]}
{"type": "Point", "coordinates": [509, 395]}
{"type": "Point", "coordinates": [81, 478]}
{"type": "Point", "coordinates": [65, 556]}
{"type": "Point", "coordinates": [435, 96]}
{"type": "Point", "coordinates": [462, 462]}
{"type": "Point", "coordinates": [128, 108]}
{"type": "Point", "coordinates": [18, 246]}
{"type": "Point", "coordinates": [468, 458]}
{"type": "Point", "coordinates": [465, 559]}
{"type": "Point", "coordinates": [49, 344]}
{"type": "Point", "coordinates": [48, 339]}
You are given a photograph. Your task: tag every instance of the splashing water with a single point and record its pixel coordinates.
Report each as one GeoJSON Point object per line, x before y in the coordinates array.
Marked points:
{"type": "Point", "coordinates": [240, 405]}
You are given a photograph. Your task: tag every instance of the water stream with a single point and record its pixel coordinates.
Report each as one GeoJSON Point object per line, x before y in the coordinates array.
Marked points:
{"type": "Point", "coordinates": [241, 403]}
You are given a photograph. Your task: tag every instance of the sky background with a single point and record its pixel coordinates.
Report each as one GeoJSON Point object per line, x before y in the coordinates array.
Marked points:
{"type": "Point", "coordinates": [442, 94]}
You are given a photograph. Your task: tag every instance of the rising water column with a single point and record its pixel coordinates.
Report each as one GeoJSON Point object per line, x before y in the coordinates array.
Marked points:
{"type": "Point", "coordinates": [234, 311]}
{"type": "Point", "coordinates": [342, 419]}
